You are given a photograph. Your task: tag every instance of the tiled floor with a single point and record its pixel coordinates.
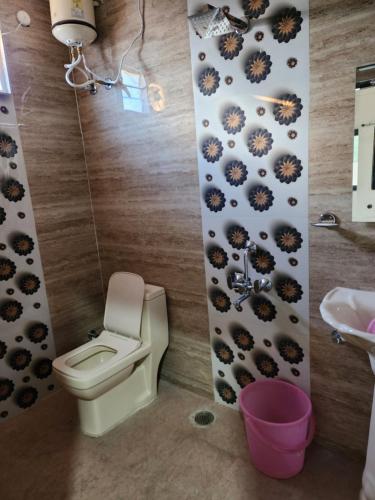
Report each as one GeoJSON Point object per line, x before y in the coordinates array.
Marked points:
{"type": "Point", "coordinates": [156, 455]}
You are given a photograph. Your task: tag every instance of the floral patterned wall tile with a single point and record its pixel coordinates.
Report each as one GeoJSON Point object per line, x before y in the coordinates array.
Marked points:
{"type": "Point", "coordinates": [26, 339]}
{"type": "Point", "coordinates": [251, 96]}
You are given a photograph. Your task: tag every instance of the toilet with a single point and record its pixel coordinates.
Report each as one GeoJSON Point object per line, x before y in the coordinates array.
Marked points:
{"type": "Point", "coordinates": [115, 374]}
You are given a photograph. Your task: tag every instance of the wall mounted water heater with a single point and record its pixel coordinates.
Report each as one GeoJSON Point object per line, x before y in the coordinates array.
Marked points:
{"type": "Point", "coordinates": [73, 21]}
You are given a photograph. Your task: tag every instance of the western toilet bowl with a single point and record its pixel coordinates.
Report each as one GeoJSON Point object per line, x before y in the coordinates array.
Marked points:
{"type": "Point", "coordinates": [115, 374]}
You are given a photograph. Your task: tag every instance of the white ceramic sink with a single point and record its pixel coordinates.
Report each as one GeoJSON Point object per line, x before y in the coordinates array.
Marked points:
{"type": "Point", "coordinates": [350, 312]}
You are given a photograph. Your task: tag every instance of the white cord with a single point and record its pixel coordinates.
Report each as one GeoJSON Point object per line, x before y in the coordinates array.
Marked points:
{"type": "Point", "coordinates": [90, 193]}
{"type": "Point", "coordinates": [91, 76]}
{"type": "Point", "coordinates": [71, 67]}
{"type": "Point", "coordinates": [12, 31]}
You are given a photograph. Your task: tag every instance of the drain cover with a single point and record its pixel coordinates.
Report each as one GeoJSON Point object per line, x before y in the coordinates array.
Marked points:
{"type": "Point", "coordinates": [204, 418]}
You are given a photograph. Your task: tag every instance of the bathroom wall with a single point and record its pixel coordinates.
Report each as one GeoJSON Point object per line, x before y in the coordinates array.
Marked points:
{"type": "Point", "coordinates": [56, 170]}
{"type": "Point", "coordinates": [144, 179]}
{"type": "Point", "coordinates": [252, 110]}
{"type": "Point", "coordinates": [143, 168]}
{"type": "Point", "coordinates": [149, 174]}
{"type": "Point", "coordinates": [342, 37]}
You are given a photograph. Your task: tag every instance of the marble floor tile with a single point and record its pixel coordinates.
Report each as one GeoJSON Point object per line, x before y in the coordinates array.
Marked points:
{"type": "Point", "coordinates": [156, 455]}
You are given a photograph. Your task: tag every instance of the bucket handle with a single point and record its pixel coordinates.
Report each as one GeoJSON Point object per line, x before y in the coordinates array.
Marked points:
{"type": "Point", "coordinates": [297, 449]}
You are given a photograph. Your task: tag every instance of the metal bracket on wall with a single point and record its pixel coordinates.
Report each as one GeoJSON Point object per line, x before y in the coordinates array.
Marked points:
{"type": "Point", "coordinates": [327, 219]}
{"type": "Point", "coordinates": [337, 338]}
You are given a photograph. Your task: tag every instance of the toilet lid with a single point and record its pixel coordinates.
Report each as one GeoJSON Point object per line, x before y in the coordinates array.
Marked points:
{"type": "Point", "coordinates": [124, 305]}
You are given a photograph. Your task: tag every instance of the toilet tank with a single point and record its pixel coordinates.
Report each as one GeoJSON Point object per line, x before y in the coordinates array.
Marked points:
{"type": "Point", "coordinates": [152, 292]}
{"type": "Point", "coordinates": [154, 327]}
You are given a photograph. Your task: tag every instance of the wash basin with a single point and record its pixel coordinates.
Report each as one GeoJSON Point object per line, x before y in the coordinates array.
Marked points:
{"type": "Point", "coordinates": [349, 312]}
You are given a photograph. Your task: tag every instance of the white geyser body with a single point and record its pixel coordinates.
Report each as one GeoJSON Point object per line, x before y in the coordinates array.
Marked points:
{"type": "Point", "coordinates": [73, 21]}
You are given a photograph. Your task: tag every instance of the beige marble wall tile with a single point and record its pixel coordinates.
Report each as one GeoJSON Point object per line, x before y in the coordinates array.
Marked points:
{"type": "Point", "coordinates": [57, 174]}
{"type": "Point", "coordinates": [188, 363]}
{"type": "Point", "coordinates": [143, 176]}
{"type": "Point", "coordinates": [342, 37]}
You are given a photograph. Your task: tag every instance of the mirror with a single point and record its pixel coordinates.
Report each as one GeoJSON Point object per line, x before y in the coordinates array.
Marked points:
{"type": "Point", "coordinates": [363, 207]}
{"type": "Point", "coordinates": [4, 78]}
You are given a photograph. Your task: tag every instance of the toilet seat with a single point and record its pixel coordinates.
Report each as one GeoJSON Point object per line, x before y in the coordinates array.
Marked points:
{"type": "Point", "coordinates": [124, 304]}
{"type": "Point", "coordinates": [118, 346]}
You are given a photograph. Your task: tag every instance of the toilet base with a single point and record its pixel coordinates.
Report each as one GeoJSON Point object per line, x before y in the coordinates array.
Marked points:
{"type": "Point", "coordinates": [101, 415]}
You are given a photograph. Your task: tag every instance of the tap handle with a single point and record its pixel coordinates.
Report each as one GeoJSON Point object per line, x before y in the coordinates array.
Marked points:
{"type": "Point", "coordinates": [262, 285]}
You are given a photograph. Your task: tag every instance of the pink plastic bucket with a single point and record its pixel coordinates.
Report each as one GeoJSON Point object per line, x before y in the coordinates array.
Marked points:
{"type": "Point", "coordinates": [279, 426]}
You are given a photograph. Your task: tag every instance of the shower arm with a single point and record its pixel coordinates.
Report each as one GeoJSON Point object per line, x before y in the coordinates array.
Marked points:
{"type": "Point", "coordinates": [250, 248]}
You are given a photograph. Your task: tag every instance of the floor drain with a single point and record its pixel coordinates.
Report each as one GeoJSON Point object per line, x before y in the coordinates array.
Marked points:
{"type": "Point", "coordinates": [204, 418]}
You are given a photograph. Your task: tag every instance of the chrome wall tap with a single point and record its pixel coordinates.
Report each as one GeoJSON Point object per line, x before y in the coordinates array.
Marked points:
{"type": "Point", "coordinates": [242, 283]}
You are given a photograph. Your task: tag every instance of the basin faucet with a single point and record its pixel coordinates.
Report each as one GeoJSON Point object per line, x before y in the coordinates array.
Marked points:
{"type": "Point", "coordinates": [242, 283]}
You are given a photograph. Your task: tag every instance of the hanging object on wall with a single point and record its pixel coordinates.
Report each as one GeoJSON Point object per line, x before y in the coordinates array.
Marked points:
{"type": "Point", "coordinates": [23, 19]}
{"type": "Point", "coordinates": [251, 93]}
{"type": "Point", "coordinates": [363, 186]}
{"type": "Point", "coordinates": [73, 24]}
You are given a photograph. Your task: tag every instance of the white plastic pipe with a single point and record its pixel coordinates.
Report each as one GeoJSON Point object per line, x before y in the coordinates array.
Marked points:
{"type": "Point", "coordinates": [73, 23]}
